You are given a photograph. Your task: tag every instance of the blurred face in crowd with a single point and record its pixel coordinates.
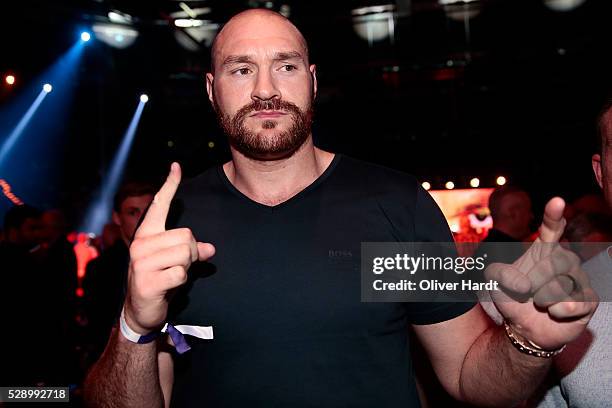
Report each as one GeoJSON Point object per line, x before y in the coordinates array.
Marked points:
{"type": "Point", "coordinates": [29, 233]}
{"type": "Point", "coordinates": [517, 214]}
{"type": "Point", "coordinates": [54, 225]}
{"type": "Point", "coordinates": [602, 163]}
{"type": "Point", "coordinates": [262, 86]}
{"type": "Point", "coordinates": [130, 213]}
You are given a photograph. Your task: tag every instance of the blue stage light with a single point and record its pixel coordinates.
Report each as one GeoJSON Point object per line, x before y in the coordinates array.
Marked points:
{"type": "Point", "coordinates": [85, 36]}
{"type": "Point", "coordinates": [144, 98]}
{"type": "Point", "coordinates": [47, 88]}
{"type": "Point", "coordinates": [13, 137]}
{"type": "Point", "coordinates": [100, 211]}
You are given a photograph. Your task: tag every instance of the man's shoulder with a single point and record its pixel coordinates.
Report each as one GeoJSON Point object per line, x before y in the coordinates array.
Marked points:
{"type": "Point", "coordinates": [599, 269]}
{"type": "Point", "coordinates": [375, 174]}
{"type": "Point", "coordinates": [197, 196]}
{"type": "Point", "coordinates": [359, 165]}
{"type": "Point", "coordinates": [601, 261]}
{"type": "Point", "coordinates": [206, 180]}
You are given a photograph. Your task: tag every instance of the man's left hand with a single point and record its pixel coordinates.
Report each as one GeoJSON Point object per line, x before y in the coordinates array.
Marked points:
{"type": "Point", "coordinates": [546, 297]}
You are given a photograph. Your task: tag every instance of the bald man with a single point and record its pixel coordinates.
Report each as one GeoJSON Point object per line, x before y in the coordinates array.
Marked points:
{"type": "Point", "coordinates": [282, 291]}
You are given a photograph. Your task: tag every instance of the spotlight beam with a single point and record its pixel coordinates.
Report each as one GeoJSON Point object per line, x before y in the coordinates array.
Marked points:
{"type": "Point", "coordinates": [18, 130]}
{"type": "Point", "coordinates": [100, 211]}
{"type": "Point", "coordinates": [120, 159]}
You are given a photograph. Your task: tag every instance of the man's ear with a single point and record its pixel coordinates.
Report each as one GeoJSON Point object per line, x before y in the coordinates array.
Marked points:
{"type": "Point", "coordinates": [209, 87]}
{"type": "Point", "coordinates": [116, 218]}
{"type": "Point", "coordinates": [596, 163]}
{"type": "Point", "coordinates": [313, 72]}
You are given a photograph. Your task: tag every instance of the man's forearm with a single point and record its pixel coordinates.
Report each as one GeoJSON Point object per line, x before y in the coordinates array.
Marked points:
{"type": "Point", "coordinates": [126, 375]}
{"type": "Point", "coordinates": [495, 373]}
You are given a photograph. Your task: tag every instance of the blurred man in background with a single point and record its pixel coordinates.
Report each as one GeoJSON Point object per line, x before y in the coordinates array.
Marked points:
{"type": "Point", "coordinates": [106, 276]}
{"type": "Point", "coordinates": [512, 215]}
{"type": "Point", "coordinates": [510, 208]}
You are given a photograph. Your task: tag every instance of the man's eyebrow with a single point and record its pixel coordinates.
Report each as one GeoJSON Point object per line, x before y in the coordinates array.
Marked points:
{"type": "Point", "coordinates": [237, 59]}
{"type": "Point", "coordinates": [245, 59]}
{"type": "Point", "coordinates": [286, 55]}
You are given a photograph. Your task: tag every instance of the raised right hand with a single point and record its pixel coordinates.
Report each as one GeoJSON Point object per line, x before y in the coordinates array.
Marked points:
{"type": "Point", "coordinates": [159, 261]}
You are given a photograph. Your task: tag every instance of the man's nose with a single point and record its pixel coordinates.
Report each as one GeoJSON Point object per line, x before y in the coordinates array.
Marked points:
{"type": "Point", "coordinates": [265, 87]}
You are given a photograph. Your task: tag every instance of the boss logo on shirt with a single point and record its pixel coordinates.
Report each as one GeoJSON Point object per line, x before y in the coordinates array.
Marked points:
{"type": "Point", "coordinates": [340, 254]}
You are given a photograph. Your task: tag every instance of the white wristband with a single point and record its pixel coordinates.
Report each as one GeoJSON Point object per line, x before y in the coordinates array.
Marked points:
{"type": "Point", "coordinates": [131, 335]}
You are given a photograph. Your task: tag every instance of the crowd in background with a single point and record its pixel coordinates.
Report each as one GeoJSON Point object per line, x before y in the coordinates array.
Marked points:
{"type": "Point", "coordinates": [61, 292]}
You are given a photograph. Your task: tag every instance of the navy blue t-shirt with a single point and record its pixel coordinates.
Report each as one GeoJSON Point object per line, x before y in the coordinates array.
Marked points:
{"type": "Point", "coordinates": [283, 292]}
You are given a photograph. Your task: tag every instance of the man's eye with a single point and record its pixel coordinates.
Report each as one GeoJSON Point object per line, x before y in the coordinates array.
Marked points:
{"type": "Point", "coordinates": [289, 67]}
{"type": "Point", "coordinates": [242, 71]}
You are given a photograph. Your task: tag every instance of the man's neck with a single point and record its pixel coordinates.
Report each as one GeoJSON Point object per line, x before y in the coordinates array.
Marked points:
{"type": "Point", "coordinates": [275, 181]}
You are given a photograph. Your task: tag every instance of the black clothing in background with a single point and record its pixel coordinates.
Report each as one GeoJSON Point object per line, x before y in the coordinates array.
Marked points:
{"type": "Point", "coordinates": [104, 287]}
{"type": "Point", "coordinates": [504, 253]}
{"type": "Point", "coordinates": [30, 334]}
{"type": "Point", "coordinates": [57, 262]}
{"type": "Point", "coordinates": [495, 235]}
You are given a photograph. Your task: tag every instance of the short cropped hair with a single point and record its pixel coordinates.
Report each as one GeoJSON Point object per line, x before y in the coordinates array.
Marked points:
{"type": "Point", "coordinates": [498, 195]}
{"type": "Point", "coordinates": [579, 227]}
{"type": "Point", "coordinates": [132, 189]}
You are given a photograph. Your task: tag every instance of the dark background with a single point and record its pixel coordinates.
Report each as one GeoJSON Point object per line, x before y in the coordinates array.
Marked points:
{"type": "Point", "coordinates": [517, 98]}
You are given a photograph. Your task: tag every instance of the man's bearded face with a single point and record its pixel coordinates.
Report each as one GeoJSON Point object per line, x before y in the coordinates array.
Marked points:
{"type": "Point", "coordinates": [256, 130]}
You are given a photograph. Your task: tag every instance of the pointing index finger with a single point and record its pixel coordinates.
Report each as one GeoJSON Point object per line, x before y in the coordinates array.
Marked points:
{"type": "Point", "coordinates": [154, 220]}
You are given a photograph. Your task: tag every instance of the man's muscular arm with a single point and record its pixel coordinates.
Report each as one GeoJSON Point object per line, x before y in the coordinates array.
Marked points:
{"type": "Point", "coordinates": [127, 375]}
{"type": "Point", "coordinates": [494, 370]}
{"type": "Point", "coordinates": [476, 363]}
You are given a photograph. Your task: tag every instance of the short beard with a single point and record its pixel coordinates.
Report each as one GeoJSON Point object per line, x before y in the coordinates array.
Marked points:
{"type": "Point", "coordinates": [255, 146]}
